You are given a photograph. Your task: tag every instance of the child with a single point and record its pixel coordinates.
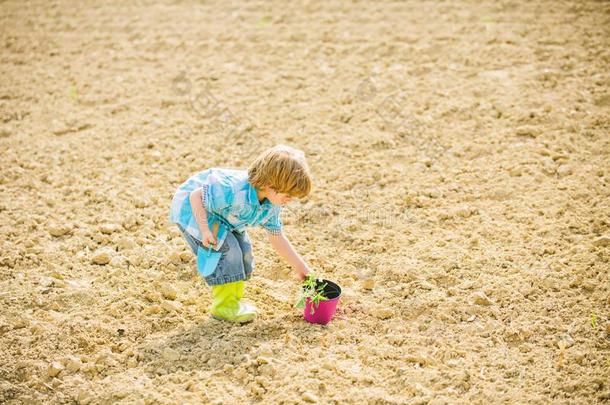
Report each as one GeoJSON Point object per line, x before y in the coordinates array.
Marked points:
{"type": "Point", "coordinates": [213, 209]}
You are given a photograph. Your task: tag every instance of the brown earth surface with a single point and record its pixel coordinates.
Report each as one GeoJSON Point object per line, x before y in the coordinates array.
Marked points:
{"type": "Point", "coordinates": [461, 157]}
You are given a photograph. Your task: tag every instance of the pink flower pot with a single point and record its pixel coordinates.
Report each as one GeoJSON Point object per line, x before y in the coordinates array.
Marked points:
{"type": "Point", "coordinates": [323, 311]}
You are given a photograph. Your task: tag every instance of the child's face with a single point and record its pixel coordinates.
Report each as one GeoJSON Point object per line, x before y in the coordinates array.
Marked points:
{"type": "Point", "coordinates": [277, 198]}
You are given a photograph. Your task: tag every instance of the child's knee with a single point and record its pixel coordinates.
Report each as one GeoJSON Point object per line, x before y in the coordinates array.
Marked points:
{"type": "Point", "coordinates": [231, 265]}
{"type": "Point", "coordinates": [248, 257]}
{"type": "Point", "coordinates": [233, 259]}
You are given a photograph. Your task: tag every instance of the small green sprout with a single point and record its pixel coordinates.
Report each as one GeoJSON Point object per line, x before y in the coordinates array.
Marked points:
{"type": "Point", "coordinates": [314, 290]}
{"type": "Point", "coordinates": [593, 320]}
{"type": "Point", "coordinates": [265, 20]}
{"type": "Point", "coordinates": [73, 93]}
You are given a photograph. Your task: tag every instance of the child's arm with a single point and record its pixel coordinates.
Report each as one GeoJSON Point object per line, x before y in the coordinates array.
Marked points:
{"type": "Point", "coordinates": [202, 218]}
{"type": "Point", "coordinates": [284, 248]}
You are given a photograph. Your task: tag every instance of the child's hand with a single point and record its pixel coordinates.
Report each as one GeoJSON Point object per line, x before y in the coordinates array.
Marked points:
{"type": "Point", "coordinates": [303, 273]}
{"type": "Point", "coordinates": [208, 239]}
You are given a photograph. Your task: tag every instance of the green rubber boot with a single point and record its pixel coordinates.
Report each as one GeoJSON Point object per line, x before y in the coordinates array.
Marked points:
{"type": "Point", "coordinates": [226, 304]}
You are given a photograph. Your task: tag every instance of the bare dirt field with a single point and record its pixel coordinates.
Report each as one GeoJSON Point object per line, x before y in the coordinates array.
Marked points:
{"type": "Point", "coordinates": [461, 154]}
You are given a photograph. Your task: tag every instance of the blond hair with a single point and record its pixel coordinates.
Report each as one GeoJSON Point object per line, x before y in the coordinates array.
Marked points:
{"type": "Point", "coordinates": [282, 168]}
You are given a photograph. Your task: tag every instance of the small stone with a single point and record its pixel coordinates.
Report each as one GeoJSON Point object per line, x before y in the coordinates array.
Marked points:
{"type": "Point", "coordinates": [59, 230]}
{"type": "Point", "coordinates": [564, 340]}
{"type": "Point", "coordinates": [383, 313]}
{"type": "Point", "coordinates": [265, 350]}
{"type": "Point", "coordinates": [153, 309]}
{"type": "Point", "coordinates": [463, 212]}
{"type": "Point", "coordinates": [551, 283]}
{"type": "Point", "coordinates": [5, 132]}
{"type": "Point", "coordinates": [126, 244]}
{"type": "Point", "coordinates": [54, 369]}
{"type": "Point", "coordinates": [479, 298]}
{"type": "Point", "coordinates": [168, 291]}
{"type": "Point", "coordinates": [170, 354]}
{"type": "Point", "coordinates": [108, 229]}
{"type": "Point", "coordinates": [267, 370]}
{"type": "Point", "coordinates": [117, 261]}
{"type": "Point", "coordinates": [564, 170]}
{"type": "Point", "coordinates": [21, 322]}
{"type": "Point", "coordinates": [421, 359]}
{"type": "Point", "coordinates": [152, 296]}
{"type": "Point", "coordinates": [186, 256]}
{"type": "Point", "coordinates": [72, 363]}
{"type": "Point", "coordinates": [329, 365]}
{"type": "Point", "coordinates": [8, 262]}
{"type": "Point", "coordinates": [368, 284]}
{"type": "Point", "coordinates": [171, 306]}
{"type": "Point", "coordinates": [589, 285]}
{"type": "Point", "coordinates": [426, 161]}
{"type": "Point", "coordinates": [602, 101]}
{"type": "Point", "coordinates": [84, 397]}
{"type": "Point", "coordinates": [263, 360]}
{"type": "Point", "coordinates": [57, 275]}
{"type": "Point", "coordinates": [309, 397]}
{"type": "Point", "coordinates": [543, 151]}
{"type": "Point", "coordinates": [120, 393]}
{"type": "Point", "coordinates": [602, 241]}
{"type": "Point", "coordinates": [174, 257]}
{"type": "Point", "coordinates": [434, 193]}
{"type": "Point", "coordinates": [36, 328]}
{"type": "Point", "coordinates": [527, 131]}
{"type": "Point", "coordinates": [241, 374]}
{"type": "Point", "coordinates": [548, 165]}
{"type": "Point", "coordinates": [101, 257]}
{"type": "Point", "coordinates": [129, 223]}
{"type": "Point", "coordinates": [189, 300]}
{"type": "Point", "coordinates": [515, 171]}
{"type": "Point", "coordinates": [104, 356]}
{"type": "Point", "coordinates": [47, 282]}
{"type": "Point", "coordinates": [59, 127]}
{"type": "Point", "coordinates": [140, 203]}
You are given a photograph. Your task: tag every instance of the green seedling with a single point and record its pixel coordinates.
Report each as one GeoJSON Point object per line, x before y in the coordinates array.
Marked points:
{"type": "Point", "coordinates": [73, 93]}
{"type": "Point", "coordinates": [264, 21]}
{"type": "Point", "coordinates": [593, 320]}
{"type": "Point", "coordinates": [312, 289]}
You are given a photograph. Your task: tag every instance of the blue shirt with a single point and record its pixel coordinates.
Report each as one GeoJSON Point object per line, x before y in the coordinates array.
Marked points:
{"type": "Point", "coordinates": [229, 200]}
